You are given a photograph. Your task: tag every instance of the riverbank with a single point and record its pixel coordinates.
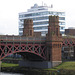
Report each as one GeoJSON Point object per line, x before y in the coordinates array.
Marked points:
{"type": "Point", "coordinates": [66, 68]}
{"type": "Point", "coordinates": [5, 73]}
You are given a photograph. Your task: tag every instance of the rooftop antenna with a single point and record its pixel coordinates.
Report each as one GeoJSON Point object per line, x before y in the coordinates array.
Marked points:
{"type": "Point", "coordinates": [51, 5]}
{"type": "Point", "coordinates": [45, 4]}
{"type": "Point", "coordinates": [42, 3]}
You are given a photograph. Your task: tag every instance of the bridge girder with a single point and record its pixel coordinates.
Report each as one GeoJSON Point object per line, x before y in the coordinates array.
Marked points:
{"type": "Point", "coordinates": [37, 49]}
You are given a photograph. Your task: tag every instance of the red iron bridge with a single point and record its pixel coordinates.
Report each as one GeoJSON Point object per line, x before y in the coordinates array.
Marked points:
{"type": "Point", "coordinates": [32, 45]}
{"type": "Point", "coordinates": [15, 44]}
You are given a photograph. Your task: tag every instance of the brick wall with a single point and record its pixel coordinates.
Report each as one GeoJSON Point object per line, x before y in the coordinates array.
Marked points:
{"type": "Point", "coordinates": [54, 39]}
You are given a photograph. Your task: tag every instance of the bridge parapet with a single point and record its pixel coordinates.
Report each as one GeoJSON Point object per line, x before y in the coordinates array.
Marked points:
{"type": "Point", "coordinates": [21, 38]}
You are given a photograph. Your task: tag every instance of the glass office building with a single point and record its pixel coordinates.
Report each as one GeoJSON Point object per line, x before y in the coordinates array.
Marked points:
{"type": "Point", "coordinates": [40, 16]}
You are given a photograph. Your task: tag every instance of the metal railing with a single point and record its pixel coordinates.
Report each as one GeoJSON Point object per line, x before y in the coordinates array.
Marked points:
{"type": "Point", "coordinates": [21, 38]}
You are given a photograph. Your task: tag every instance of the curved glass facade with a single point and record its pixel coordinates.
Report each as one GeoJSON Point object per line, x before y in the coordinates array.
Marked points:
{"type": "Point", "coordinates": [40, 16]}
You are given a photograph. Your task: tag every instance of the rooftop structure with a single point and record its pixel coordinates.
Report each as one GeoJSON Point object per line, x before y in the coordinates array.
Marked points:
{"type": "Point", "coordinates": [70, 31]}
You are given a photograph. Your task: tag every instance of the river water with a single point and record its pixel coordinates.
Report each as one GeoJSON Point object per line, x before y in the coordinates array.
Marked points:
{"type": "Point", "coordinates": [3, 73]}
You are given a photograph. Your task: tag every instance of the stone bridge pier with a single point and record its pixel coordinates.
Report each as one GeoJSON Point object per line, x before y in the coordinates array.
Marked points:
{"type": "Point", "coordinates": [53, 45]}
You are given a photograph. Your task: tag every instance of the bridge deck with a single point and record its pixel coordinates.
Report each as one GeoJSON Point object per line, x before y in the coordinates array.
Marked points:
{"type": "Point", "coordinates": [21, 38]}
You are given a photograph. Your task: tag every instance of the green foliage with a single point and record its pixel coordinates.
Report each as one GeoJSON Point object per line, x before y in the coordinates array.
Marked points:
{"type": "Point", "coordinates": [64, 65]}
{"type": "Point", "coordinates": [67, 66]}
{"type": "Point", "coordinates": [9, 65]}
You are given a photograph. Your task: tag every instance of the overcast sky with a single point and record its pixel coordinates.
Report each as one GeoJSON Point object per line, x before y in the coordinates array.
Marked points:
{"type": "Point", "coordinates": [9, 10]}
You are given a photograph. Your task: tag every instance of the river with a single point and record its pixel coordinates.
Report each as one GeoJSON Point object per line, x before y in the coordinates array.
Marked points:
{"type": "Point", "coordinates": [3, 73]}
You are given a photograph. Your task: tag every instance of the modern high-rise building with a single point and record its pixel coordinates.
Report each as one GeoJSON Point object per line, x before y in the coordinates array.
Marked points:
{"type": "Point", "coordinates": [40, 16]}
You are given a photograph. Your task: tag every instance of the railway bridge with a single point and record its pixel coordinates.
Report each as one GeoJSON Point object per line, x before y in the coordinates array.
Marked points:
{"type": "Point", "coordinates": [37, 51]}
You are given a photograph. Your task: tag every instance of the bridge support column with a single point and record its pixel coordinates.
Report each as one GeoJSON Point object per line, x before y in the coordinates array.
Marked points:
{"type": "Point", "coordinates": [56, 63]}
{"type": "Point", "coordinates": [54, 41]}
{"type": "Point", "coordinates": [54, 53]}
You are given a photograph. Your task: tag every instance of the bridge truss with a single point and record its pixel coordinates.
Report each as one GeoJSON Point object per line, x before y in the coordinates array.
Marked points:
{"type": "Point", "coordinates": [36, 47]}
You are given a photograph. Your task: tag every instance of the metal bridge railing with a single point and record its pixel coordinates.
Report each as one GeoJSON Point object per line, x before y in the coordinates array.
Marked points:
{"type": "Point", "coordinates": [21, 38]}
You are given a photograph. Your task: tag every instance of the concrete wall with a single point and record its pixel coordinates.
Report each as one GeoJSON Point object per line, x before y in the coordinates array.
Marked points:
{"type": "Point", "coordinates": [56, 63]}
{"type": "Point", "coordinates": [40, 64]}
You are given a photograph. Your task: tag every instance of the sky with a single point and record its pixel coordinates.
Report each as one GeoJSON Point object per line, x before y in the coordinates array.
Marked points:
{"type": "Point", "coordinates": [10, 9]}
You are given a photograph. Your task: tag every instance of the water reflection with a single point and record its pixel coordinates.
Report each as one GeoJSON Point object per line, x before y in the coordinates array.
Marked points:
{"type": "Point", "coordinates": [2, 73]}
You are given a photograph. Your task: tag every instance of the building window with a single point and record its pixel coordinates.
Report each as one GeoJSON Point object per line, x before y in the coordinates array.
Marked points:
{"type": "Point", "coordinates": [61, 18]}
{"type": "Point", "coordinates": [40, 23]}
{"type": "Point", "coordinates": [20, 33]}
{"type": "Point", "coordinates": [61, 28]}
{"type": "Point", "coordinates": [39, 28]}
{"type": "Point", "coordinates": [62, 32]}
{"type": "Point", "coordinates": [40, 18]}
{"type": "Point", "coordinates": [20, 16]}
{"type": "Point", "coordinates": [20, 29]}
{"type": "Point", "coordinates": [27, 15]}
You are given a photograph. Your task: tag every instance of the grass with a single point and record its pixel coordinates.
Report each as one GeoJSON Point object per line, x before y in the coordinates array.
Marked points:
{"type": "Point", "coordinates": [66, 68]}
{"type": "Point", "coordinates": [64, 65]}
{"type": "Point", "coordinates": [9, 65]}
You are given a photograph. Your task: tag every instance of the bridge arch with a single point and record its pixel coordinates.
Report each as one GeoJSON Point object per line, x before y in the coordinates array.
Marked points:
{"type": "Point", "coordinates": [39, 50]}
